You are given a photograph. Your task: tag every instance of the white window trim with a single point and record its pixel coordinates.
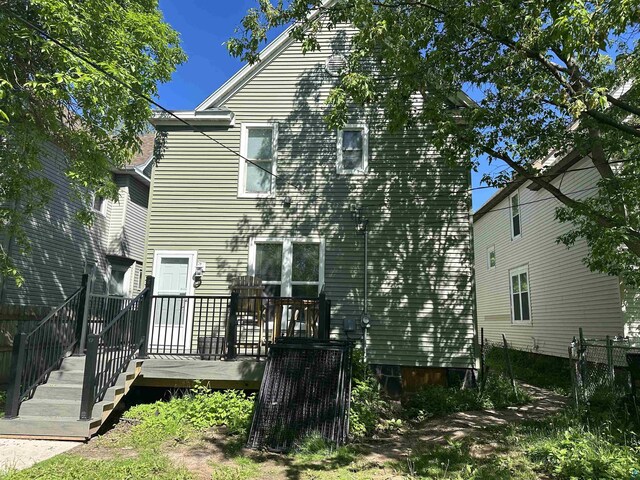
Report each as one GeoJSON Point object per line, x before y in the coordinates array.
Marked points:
{"type": "Point", "coordinates": [287, 256]}
{"type": "Point", "coordinates": [518, 271]}
{"type": "Point", "coordinates": [365, 150]}
{"type": "Point", "coordinates": [491, 248]}
{"type": "Point", "coordinates": [103, 209]}
{"type": "Point", "coordinates": [193, 259]}
{"type": "Point", "coordinates": [242, 165]}
{"type": "Point", "coordinates": [516, 193]}
{"type": "Point", "coordinates": [126, 280]}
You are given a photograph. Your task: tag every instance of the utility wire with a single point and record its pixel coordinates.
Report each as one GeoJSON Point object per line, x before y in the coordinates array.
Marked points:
{"type": "Point", "coordinates": [132, 89]}
{"type": "Point", "coordinates": [135, 91]}
{"type": "Point", "coordinates": [539, 200]}
{"type": "Point", "coordinates": [549, 174]}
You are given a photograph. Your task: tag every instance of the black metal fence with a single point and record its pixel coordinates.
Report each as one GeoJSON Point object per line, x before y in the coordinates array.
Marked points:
{"type": "Point", "coordinates": [218, 327]}
{"type": "Point", "coordinates": [36, 354]}
{"type": "Point", "coordinates": [110, 351]}
{"type": "Point", "coordinates": [102, 309]}
{"type": "Point", "coordinates": [603, 364]}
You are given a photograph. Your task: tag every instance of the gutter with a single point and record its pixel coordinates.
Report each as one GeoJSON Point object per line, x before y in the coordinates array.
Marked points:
{"type": "Point", "coordinates": [217, 117]}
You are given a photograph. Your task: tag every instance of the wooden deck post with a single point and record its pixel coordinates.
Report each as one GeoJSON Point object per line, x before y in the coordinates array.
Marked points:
{"type": "Point", "coordinates": [232, 327]}
{"type": "Point", "coordinates": [15, 375]}
{"type": "Point", "coordinates": [89, 380]}
{"type": "Point", "coordinates": [146, 318]}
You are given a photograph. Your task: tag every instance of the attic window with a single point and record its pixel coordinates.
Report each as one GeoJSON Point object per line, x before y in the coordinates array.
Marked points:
{"type": "Point", "coordinates": [335, 65]}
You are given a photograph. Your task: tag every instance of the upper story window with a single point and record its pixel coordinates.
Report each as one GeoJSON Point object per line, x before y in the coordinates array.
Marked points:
{"type": "Point", "coordinates": [515, 216]}
{"type": "Point", "coordinates": [353, 149]}
{"type": "Point", "coordinates": [491, 257]}
{"type": "Point", "coordinates": [520, 304]}
{"type": "Point", "coordinates": [98, 204]}
{"type": "Point", "coordinates": [258, 143]}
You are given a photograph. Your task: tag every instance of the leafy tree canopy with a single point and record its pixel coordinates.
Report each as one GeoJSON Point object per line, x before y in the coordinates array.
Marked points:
{"type": "Point", "coordinates": [548, 76]}
{"type": "Point", "coordinates": [49, 95]}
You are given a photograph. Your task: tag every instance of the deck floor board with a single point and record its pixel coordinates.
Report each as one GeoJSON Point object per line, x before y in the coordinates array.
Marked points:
{"type": "Point", "coordinates": [173, 371]}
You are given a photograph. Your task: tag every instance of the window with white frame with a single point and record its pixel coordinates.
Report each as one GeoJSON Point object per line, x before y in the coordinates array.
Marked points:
{"type": "Point", "coordinates": [520, 296]}
{"type": "Point", "coordinates": [98, 204]}
{"type": "Point", "coordinates": [258, 144]}
{"type": "Point", "coordinates": [515, 216]}
{"type": "Point", "coordinates": [491, 257]}
{"type": "Point", "coordinates": [118, 281]}
{"type": "Point", "coordinates": [353, 149]}
{"type": "Point", "coordinates": [288, 267]}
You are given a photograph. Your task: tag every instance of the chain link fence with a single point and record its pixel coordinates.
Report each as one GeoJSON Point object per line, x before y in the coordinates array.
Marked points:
{"type": "Point", "coordinates": [609, 366]}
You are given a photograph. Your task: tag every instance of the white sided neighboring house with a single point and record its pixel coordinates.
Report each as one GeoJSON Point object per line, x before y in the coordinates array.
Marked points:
{"type": "Point", "coordinates": [534, 290]}
{"type": "Point", "coordinates": [62, 249]}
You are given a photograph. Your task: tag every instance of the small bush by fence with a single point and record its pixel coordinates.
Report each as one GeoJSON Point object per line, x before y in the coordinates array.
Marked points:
{"type": "Point", "coordinates": [603, 366]}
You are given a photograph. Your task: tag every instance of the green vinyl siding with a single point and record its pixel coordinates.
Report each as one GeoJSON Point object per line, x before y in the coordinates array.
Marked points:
{"type": "Point", "coordinates": [418, 211]}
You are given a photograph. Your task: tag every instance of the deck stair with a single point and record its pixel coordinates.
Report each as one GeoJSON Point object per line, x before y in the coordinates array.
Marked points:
{"type": "Point", "coordinates": [54, 409]}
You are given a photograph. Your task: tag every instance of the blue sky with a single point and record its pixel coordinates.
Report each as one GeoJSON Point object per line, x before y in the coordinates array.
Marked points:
{"type": "Point", "coordinates": [204, 26]}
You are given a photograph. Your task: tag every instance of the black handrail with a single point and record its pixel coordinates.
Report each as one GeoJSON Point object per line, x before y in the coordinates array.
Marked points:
{"type": "Point", "coordinates": [38, 353]}
{"type": "Point", "coordinates": [110, 351]}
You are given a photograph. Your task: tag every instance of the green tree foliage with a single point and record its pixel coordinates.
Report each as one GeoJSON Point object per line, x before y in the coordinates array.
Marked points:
{"type": "Point", "coordinates": [49, 95]}
{"type": "Point", "coordinates": [548, 77]}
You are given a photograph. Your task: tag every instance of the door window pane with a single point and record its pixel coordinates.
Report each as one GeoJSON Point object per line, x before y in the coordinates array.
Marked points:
{"type": "Point", "coordinates": [260, 144]}
{"type": "Point", "coordinates": [306, 262]}
{"type": "Point", "coordinates": [269, 261]}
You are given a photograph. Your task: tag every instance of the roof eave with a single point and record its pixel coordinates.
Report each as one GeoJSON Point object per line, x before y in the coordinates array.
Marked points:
{"type": "Point", "coordinates": [193, 117]}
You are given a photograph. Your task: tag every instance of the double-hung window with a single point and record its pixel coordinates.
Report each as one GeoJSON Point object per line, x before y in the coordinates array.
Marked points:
{"type": "Point", "coordinates": [257, 169]}
{"type": "Point", "coordinates": [288, 267]}
{"type": "Point", "coordinates": [515, 216]}
{"type": "Point", "coordinates": [98, 204]}
{"type": "Point", "coordinates": [491, 257]}
{"type": "Point", "coordinates": [353, 149]}
{"type": "Point", "coordinates": [520, 297]}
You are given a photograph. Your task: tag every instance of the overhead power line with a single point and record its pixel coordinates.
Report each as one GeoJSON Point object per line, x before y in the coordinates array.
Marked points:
{"type": "Point", "coordinates": [135, 91]}
{"type": "Point", "coordinates": [541, 200]}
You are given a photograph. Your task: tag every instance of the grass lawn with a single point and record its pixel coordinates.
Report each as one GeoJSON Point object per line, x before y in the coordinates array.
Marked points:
{"type": "Point", "coordinates": [443, 433]}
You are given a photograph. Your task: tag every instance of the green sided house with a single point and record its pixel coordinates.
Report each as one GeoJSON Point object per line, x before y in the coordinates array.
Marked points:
{"type": "Point", "coordinates": [262, 198]}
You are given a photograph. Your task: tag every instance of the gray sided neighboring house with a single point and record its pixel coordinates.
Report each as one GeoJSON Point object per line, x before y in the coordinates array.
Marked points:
{"type": "Point", "coordinates": [299, 235]}
{"type": "Point", "coordinates": [62, 249]}
{"type": "Point", "coordinates": [534, 290]}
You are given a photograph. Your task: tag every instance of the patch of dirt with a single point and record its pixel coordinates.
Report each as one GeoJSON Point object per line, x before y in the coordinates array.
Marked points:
{"type": "Point", "coordinates": [105, 448]}
{"type": "Point", "coordinates": [464, 424]}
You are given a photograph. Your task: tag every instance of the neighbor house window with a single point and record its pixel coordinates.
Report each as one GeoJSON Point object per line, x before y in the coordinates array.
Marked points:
{"type": "Point", "coordinates": [520, 298]}
{"type": "Point", "coordinates": [98, 204]}
{"type": "Point", "coordinates": [258, 150]}
{"type": "Point", "coordinates": [288, 267]}
{"type": "Point", "coordinates": [515, 215]}
{"type": "Point", "coordinates": [491, 257]}
{"type": "Point", "coordinates": [117, 281]}
{"type": "Point", "coordinates": [353, 149]}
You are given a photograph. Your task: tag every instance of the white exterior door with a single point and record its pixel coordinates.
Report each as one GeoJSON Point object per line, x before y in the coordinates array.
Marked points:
{"type": "Point", "coordinates": [172, 315]}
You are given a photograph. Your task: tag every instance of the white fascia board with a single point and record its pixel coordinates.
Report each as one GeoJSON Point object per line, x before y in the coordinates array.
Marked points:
{"type": "Point", "coordinates": [247, 72]}
{"type": "Point", "coordinates": [193, 117]}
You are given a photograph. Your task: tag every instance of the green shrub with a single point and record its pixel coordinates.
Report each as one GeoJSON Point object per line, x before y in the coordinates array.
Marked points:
{"type": "Point", "coordinates": [199, 410]}
{"type": "Point", "coordinates": [544, 371]}
{"type": "Point", "coordinates": [368, 407]}
{"type": "Point", "coordinates": [578, 454]}
{"type": "Point", "coordinates": [436, 400]}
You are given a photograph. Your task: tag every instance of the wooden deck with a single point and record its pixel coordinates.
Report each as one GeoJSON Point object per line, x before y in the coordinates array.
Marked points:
{"type": "Point", "coordinates": [173, 371]}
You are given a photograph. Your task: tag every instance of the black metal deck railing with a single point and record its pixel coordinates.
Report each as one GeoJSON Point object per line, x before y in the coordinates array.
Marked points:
{"type": "Point", "coordinates": [110, 351]}
{"type": "Point", "coordinates": [218, 327]}
{"type": "Point", "coordinates": [102, 309]}
{"type": "Point", "coordinates": [38, 353]}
